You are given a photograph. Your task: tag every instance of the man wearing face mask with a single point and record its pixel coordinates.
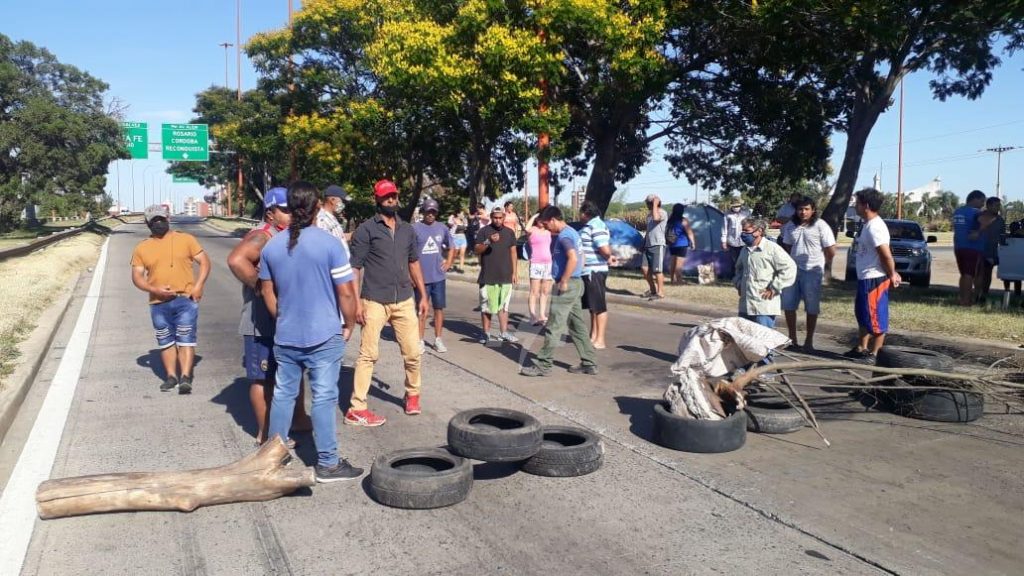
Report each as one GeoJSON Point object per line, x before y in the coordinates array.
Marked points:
{"type": "Point", "coordinates": [732, 227]}
{"type": "Point", "coordinates": [331, 209]}
{"type": "Point", "coordinates": [387, 270]}
{"type": "Point", "coordinates": [162, 267]}
{"type": "Point", "coordinates": [762, 271]}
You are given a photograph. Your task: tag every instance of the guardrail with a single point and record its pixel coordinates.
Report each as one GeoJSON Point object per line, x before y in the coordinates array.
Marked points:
{"type": "Point", "coordinates": [251, 221]}
{"type": "Point", "coordinates": [45, 241]}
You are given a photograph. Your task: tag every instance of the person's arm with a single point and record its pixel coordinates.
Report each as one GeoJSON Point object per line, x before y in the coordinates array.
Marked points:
{"type": "Point", "coordinates": [269, 296]}
{"type": "Point", "coordinates": [450, 242]}
{"type": "Point", "coordinates": [515, 263]}
{"type": "Point", "coordinates": [689, 234]}
{"type": "Point", "coordinates": [481, 246]}
{"type": "Point", "coordinates": [785, 274]}
{"type": "Point", "coordinates": [657, 214]}
{"type": "Point", "coordinates": [529, 224]}
{"type": "Point", "coordinates": [244, 256]}
{"type": "Point", "coordinates": [416, 275]}
{"type": "Point", "coordinates": [889, 264]}
{"type": "Point", "coordinates": [204, 273]}
{"type": "Point", "coordinates": [141, 282]}
{"type": "Point", "coordinates": [570, 264]}
{"type": "Point", "coordinates": [347, 299]}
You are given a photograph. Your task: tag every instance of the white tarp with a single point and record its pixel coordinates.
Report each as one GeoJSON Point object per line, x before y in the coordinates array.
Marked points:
{"type": "Point", "coordinates": [712, 351]}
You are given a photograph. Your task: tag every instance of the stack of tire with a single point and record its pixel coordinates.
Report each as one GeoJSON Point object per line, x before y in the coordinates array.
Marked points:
{"type": "Point", "coordinates": [423, 478]}
{"type": "Point", "coordinates": [935, 405]}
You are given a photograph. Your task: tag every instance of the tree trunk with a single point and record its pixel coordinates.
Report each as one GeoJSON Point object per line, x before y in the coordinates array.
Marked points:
{"type": "Point", "coordinates": [414, 199]}
{"type": "Point", "coordinates": [263, 475]}
{"type": "Point", "coordinates": [601, 185]}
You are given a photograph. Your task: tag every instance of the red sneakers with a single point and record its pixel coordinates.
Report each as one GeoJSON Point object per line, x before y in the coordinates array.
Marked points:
{"type": "Point", "coordinates": [412, 405]}
{"type": "Point", "coordinates": [364, 418]}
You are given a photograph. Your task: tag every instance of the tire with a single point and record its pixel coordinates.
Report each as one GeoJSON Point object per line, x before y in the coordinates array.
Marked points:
{"type": "Point", "coordinates": [420, 478]}
{"type": "Point", "coordinates": [906, 357]}
{"type": "Point", "coordinates": [566, 451]}
{"type": "Point", "coordinates": [701, 436]}
{"type": "Point", "coordinates": [494, 435]}
{"type": "Point", "coordinates": [851, 275]}
{"type": "Point", "coordinates": [921, 280]}
{"type": "Point", "coordinates": [937, 405]}
{"type": "Point", "coordinates": [773, 418]}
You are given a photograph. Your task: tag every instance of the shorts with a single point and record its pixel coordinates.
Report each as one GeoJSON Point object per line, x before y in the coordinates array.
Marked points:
{"type": "Point", "coordinates": [540, 271]}
{"type": "Point", "coordinates": [872, 305]}
{"type": "Point", "coordinates": [654, 259]}
{"type": "Point", "coordinates": [807, 287]}
{"type": "Point", "coordinates": [258, 358]}
{"type": "Point", "coordinates": [436, 291]}
{"type": "Point", "coordinates": [766, 320]}
{"type": "Point", "coordinates": [495, 298]}
{"type": "Point", "coordinates": [678, 252]}
{"type": "Point", "coordinates": [968, 261]}
{"type": "Point", "coordinates": [175, 322]}
{"type": "Point", "coordinates": [594, 292]}
{"type": "Point", "coordinates": [460, 241]}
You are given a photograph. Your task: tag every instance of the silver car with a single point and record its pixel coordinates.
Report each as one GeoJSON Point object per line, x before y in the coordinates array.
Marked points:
{"type": "Point", "coordinates": [909, 249]}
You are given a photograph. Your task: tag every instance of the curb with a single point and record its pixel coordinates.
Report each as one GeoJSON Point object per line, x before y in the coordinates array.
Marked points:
{"type": "Point", "coordinates": [41, 338]}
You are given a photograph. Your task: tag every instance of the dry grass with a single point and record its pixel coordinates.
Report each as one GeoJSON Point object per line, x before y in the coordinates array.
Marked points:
{"type": "Point", "coordinates": [230, 226]}
{"type": "Point", "coordinates": [31, 283]}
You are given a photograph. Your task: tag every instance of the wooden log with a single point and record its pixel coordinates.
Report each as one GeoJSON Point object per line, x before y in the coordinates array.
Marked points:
{"type": "Point", "coordinates": [262, 475]}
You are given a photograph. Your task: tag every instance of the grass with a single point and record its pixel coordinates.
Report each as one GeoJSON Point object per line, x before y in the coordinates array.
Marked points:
{"type": "Point", "coordinates": [932, 311]}
{"type": "Point", "coordinates": [229, 225]}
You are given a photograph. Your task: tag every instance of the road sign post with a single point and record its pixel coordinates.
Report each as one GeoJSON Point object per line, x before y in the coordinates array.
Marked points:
{"type": "Point", "coordinates": [185, 142]}
{"type": "Point", "coordinates": [136, 139]}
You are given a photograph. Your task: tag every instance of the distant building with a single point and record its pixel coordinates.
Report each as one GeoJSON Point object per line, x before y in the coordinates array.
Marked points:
{"type": "Point", "coordinates": [194, 207]}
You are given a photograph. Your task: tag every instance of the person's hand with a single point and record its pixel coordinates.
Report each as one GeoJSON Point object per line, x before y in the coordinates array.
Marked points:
{"type": "Point", "coordinates": [424, 308]}
{"type": "Point", "coordinates": [613, 260]}
{"type": "Point", "coordinates": [896, 279]}
{"type": "Point", "coordinates": [346, 332]}
{"type": "Point", "coordinates": [197, 293]}
{"type": "Point", "coordinates": [163, 294]}
{"type": "Point", "coordinates": [445, 266]}
{"type": "Point", "coordinates": [360, 314]}
{"type": "Point", "coordinates": [767, 294]}
{"type": "Point", "coordinates": [563, 287]}
{"type": "Point", "coordinates": [495, 237]}
{"type": "Point", "coordinates": [725, 246]}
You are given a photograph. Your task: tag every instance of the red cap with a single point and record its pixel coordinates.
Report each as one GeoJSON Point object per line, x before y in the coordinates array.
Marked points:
{"type": "Point", "coordinates": [384, 188]}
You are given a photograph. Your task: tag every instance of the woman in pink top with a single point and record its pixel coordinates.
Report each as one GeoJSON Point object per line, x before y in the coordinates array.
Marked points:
{"type": "Point", "coordinates": [540, 270]}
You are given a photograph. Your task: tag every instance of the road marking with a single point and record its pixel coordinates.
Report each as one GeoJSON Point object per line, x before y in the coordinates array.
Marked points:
{"type": "Point", "coordinates": [18, 502]}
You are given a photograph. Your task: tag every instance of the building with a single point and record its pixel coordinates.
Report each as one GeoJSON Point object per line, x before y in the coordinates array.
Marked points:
{"type": "Point", "coordinates": [195, 207]}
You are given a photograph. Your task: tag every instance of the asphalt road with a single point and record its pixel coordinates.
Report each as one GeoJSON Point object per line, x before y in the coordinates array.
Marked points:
{"type": "Point", "coordinates": [892, 495]}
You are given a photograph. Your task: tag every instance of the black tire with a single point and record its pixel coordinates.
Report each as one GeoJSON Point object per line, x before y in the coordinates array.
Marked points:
{"type": "Point", "coordinates": [494, 435]}
{"type": "Point", "coordinates": [773, 418]}
{"type": "Point", "coordinates": [851, 275]}
{"type": "Point", "coordinates": [566, 451]}
{"type": "Point", "coordinates": [701, 436]}
{"type": "Point", "coordinates": [906, 357]}
{"type": "Point", "coordinates": [921, 280]}
{"type": "Point", "coordinates": [420, 478]}
{"type": "Point", "coordinates": [938, 405]}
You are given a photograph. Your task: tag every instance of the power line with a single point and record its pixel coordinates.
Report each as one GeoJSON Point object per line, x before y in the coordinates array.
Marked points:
{"type": "Point", "coordinates": [936, 136]}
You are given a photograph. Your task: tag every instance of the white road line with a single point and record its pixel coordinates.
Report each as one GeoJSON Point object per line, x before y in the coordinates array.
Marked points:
{"type": "Point", "coordinates": [18, 502]}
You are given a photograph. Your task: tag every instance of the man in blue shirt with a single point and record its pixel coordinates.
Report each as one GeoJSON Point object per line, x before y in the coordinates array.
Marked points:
{"type": "Point", "coordinates": [433, 240]}
{"type": "Point", "coordinates": [306, 281]}
{"type": "Point", "coordinates": [566, 302]}
{"type": "Point", "coordinates": [968, 248]}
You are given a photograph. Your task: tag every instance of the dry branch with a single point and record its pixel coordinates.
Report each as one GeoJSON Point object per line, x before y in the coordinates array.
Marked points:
{"type": "Point", "coordinates": [262, 475]}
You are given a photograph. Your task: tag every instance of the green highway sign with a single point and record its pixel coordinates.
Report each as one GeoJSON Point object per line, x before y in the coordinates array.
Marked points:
{"type": "Point", "coordinates": [136, 138]}
{"type": "Point", "coordinates": [183, 180]}
{"type": "Point", "coordinates": [185, 142]}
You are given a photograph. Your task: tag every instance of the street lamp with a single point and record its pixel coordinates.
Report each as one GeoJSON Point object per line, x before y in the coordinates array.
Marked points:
{"type": "Point", "coordinates": [225, 46]}
{"type": "Point", "coordinates": [144, 172]}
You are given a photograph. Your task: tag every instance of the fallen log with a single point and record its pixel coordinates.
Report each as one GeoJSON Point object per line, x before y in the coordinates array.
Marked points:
{"type": "Point", "coordinates": [262, 475]}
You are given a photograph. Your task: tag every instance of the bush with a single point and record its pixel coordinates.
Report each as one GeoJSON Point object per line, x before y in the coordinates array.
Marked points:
{"type": "Point", "coordinates": [938, 226]}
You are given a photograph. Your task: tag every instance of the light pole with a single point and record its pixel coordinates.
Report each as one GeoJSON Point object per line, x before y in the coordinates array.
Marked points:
{"type": "Point", "coordinates": [225, 46]}
{"type": "Point", "coordinates": [144, 172]}
{"type": "Point", "coordinates": [135, 205]}
{"type": "Point", "coordinates": [999, 165]}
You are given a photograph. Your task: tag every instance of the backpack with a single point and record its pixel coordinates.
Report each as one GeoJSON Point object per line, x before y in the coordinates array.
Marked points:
{"type": "Point", "coordinates": [672, 233]}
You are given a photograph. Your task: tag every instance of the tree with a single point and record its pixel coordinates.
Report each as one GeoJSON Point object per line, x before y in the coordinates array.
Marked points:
{"type": "Point", "coordinates": [56, 137]}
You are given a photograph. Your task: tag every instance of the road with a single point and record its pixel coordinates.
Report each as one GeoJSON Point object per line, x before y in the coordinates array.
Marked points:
{"type": "Point", "coordinates": [891, 495]}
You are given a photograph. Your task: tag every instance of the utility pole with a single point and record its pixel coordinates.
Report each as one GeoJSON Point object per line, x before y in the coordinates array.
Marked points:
{"type": "Point", "coordinates": [225, 46]}
{"type": "Point", "coordinates": [999, 165]}
{"type": "Point", "coordinates": [899, 163]}
{"type": "Point", "coordinates": [238, 65]}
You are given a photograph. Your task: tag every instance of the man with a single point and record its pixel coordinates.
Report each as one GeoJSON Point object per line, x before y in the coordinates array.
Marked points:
{"type": "Point", "coordinates": [597, 255]}
{"type": "Point", "coordinates": [433, 239]}
{"type": "Point", "coordinates": [967, 247]}
{"type": "Point", "coordinates": [257, 325]}
{"type": "Point", "coordinates": [387, 267]}
{"type": "Point", "coordinates": [876, 274]}
{"type": "Point", "coordinates": [812, 245]}
{"type": "Point", "coordinates": [496, 246]}
{"type": "Point", "coordinates": [331, 210]}
{"type": "Point", "coordinates": [306, 281]}
{"type": "Point", "coordinates": [566, 303]}
{"type": "Point", "coordinates": [732, 227]}
{"type": "Point", "coordinates": [654, 249]}
{"type": "Point", "coordinates": [512, 219]}
{"type": "Point", "coordinates": [162, 267]}
{"type": "Point", "coordinates": [763, 270]}
{"type": "Point", "coordinates": [991, 227]}
{"type": "Point", "coordinates": [787, 210]}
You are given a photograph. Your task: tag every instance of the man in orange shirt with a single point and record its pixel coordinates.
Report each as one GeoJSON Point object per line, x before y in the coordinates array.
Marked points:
{"type": "Point", "coordinates": [162, 267]}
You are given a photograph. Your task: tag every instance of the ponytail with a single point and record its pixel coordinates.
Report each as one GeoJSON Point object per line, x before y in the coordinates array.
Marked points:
{"type": "Point", "coordinates": [302, 201]}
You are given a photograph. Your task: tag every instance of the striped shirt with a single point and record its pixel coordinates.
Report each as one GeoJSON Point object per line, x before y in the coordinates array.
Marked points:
{"type": "Point", "coordinates": [595, 235]}
{"type": "Point", "coordinates": [328, 223]}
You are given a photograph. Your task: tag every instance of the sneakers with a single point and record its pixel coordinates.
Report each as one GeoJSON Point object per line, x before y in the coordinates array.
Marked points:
{"type": "Point", "coordinates": [509, 337]}
{"type": "Point", "coordinates": [861, 355]}
{"type": "Point", "coordinates": [412, 405]}
{"type": "Point", "coordinates": [439, 346]}
{"type": "Point", "coordinates": [423, 347]}
{"type": "Point", "coordinates": [185, 386]}
{"type": "Point", "coordinates": [170, 384]}
{"type": "Point", "coordinates": [654, 297]}
{"type": "Point", "coordinates": [588, 369]}
{"type": "Point", "coordinates": [340, 471]}
{"type": "Point", "coordinates": [534, 371]}
{"type": "Point", "coordinates": [364, 418]}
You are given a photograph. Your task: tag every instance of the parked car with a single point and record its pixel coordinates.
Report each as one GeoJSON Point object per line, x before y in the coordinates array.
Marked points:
{"type": "Point", "coordinates": [909, 249]}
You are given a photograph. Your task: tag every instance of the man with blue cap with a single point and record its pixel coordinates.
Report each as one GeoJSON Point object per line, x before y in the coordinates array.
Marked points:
{"type": "Point", "coordinates": [257, 325]}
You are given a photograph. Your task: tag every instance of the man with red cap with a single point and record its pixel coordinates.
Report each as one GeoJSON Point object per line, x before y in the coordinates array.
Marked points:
{"type": "Point", "coordinates": [387, 269]}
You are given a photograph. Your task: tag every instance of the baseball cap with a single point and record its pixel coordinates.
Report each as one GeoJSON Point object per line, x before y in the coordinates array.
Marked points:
{"type": "Point", "coordinates": [384, 188]}
{"type": "Point", "coordinates": [337, 192]}
{"type": "Point", "coordinates": [430, 204]}
{"type": "Point", "coordinates": [497, 209]}
{"type": "Point", "coordinates": [276, 196]}
{"type": "Point", "coordinates": [157, 210]}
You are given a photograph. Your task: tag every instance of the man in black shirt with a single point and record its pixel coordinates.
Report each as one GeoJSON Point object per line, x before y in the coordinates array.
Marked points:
{"type": "Point", "coordinates": [496, 246]}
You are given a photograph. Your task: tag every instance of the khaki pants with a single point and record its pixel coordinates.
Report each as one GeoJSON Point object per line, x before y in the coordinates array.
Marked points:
{"type": "Point", "coordinates": [402, 317]}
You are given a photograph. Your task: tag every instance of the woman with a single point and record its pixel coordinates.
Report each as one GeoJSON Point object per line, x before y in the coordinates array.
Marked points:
{"type": "Point", "coordinates": [539, 241]}
{"type": "Point", "coordinates": [457, 226]}
{"type": "Point", "coordinates": [680, 238]}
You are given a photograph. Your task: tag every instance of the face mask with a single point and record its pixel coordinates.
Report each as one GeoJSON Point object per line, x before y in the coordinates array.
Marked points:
{"type": "Point", "coordinates": [388, 211]}
{"type": "Point", "coordinates": [747, 238]}
{"type": "Point", "coordinates": [159, 228]}
{"type": "Point", "coordinates": [339, 208]}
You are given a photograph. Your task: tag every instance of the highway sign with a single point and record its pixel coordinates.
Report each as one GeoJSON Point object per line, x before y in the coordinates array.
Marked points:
{"type": "Point", "coordinates": [136, 138]}
{"type": "Point", "coordinates": [185, 142]}
{"type": "Point", "coordinates": [183, 180]}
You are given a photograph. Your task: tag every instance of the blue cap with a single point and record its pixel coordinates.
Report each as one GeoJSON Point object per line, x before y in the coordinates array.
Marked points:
{"type": "Point", "coordinates": [277, 196]}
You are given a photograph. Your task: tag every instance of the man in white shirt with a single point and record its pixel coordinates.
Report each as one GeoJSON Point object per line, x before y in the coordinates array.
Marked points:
{"type": "Point", "coordinates": [876, 273]}
{"type": "Point", "coordinates": [786, 211]}
{"type": "Point", "coordinates": [732, 227]}
{"type": "Point", "coordinates": [812, 245]}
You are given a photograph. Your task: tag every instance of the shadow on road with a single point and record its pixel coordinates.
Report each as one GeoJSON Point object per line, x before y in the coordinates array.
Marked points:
{"type": "Point", "coordinates": [656, 354]}
{"type": "Point", "coordinates": [641, 414]}
{"type": "Point", "coordinates": [152, 361]}
{"type": "Point", "coordinates": [235, 399]}
{"type": "Point", "coordinates": [494, 470]}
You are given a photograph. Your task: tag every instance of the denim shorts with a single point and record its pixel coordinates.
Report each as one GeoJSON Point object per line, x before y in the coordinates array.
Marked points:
{"type": "Point", "coordinates": [436, 292]}
{"type": "Point", "coordinates": [175, 322]}
{"type": "Point", "coordinates": [807, 287]}
{"type": "Point", "coordinates": [258, 358]}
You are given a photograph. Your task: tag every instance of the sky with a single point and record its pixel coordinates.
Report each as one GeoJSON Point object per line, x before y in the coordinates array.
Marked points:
{"type": "Point", "coordinates": [156, 55]}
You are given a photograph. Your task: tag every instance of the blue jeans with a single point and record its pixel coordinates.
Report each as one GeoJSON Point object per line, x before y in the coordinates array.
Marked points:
{"type": "Point", "coordinates": [175, 321]}
{"type": "Point", "coordinates": [323, 362]}
{"type": "Point", "coordinates": [762, 319]}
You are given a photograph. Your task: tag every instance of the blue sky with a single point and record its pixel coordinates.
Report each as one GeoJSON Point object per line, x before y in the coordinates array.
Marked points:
{"type": "Point", "coordinates": [157, 55]}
